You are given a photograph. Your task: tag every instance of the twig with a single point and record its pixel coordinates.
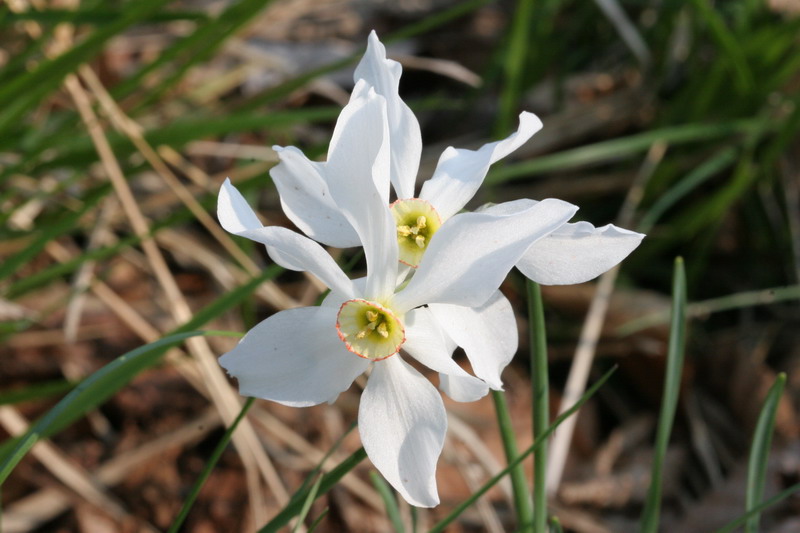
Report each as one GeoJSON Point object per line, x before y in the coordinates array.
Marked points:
{"type": "Point", "coordinates": [592, 327]}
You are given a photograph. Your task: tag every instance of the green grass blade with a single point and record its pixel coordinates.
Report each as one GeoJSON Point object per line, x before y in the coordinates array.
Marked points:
{"type": "Point", "coordinates": [690, 182]}
{"type": "Point", "coordinates": [519, 484]}
{"type": "Point", "coordinates": [318, 520]}
{"type": "Point", "coordinates": [466, 504]}
{"type": "Point", "coordinates": [326, 483]}
{"type": "Point", "coordinates": [63, 224]}
{"type": "Point", "coordinates": [616, 149]}
{"type": "Point", "coordinates": [759, 452]}
{"type": "Point", "coordinates": [766, 504]}
{"type": "Point", "coordinates": [389, 501]}
{"type": "Point", "coordinates": [36, 392]}
{"type": "Point", "coordinates": [24, 92]}
{"type": "Point", "coordinates": [24, 444]}
{"type": "Point", "coordinates": [90, 393]}
{"type": "Point", "coordinates": [210, 464]}
{"type": "Point", "coordinates": [716, 305]}
{"type": "Point", "coordinates": [669, 404]}
{"type": "Point", "coordinates": [541, 402]}
{"type": "Point", "coordinates": [729, 44]}
{"type": "Point", "coordinates": [312, 495]}
{"type": "Point", "coordinates": [100, 16]}
{"type": "Point", "coordinates": [95, 389]}
{"type": "Point", "coordinates": [514, 66]}
{"type": "Point", "coordinates": [201, 44]}
{"type": "Point", "coordinates": [274, 94]}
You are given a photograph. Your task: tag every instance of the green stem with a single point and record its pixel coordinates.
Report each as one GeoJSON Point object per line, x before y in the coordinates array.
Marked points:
{"type": "Point", "coordinates": [522, 499]}
{"type": "Point", "coordinates": [541, 404]}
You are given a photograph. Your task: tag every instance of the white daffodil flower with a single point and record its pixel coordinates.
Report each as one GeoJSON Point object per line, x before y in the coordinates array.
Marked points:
{"type": "Point", "coordinates": [574, 253]}
{"type": "Point", "coordinates": [307, 356]}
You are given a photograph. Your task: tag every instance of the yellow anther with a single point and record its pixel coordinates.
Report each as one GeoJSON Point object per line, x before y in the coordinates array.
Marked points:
{"type": "Point", "coordinates": [383, 331]}
{"type": "Point", "coordinates": [361, 334]}
{"type": "Point", "coordinates": [421, 222]}
{"type": "Point", "coordinates": [372, 316]}
{"type": "Point", "coordinates": [420, 240]}
{"type": "Point", "coordinates": [404, 231]}
{"type": "Point", "coordinates": [415, 230]}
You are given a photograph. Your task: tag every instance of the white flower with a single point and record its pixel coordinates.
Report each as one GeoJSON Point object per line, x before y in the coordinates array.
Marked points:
{"type": "Point", "coordinates": [573, 253]}
{"type": "Point", "coordinates": [307, 356]}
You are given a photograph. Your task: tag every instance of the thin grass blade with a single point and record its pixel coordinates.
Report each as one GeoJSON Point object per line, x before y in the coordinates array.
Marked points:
{"type": "Point", "coordinates": [519, 484]}
{"type": "Point", "coordinates": [669, 403]}
{"type": "Point", "coordinates": [766, 504]}
{"type": "Point", "coordinates": [312, 495]}
{"type": "Point", "coordinates": [210, 464]}
{"type": "Point", "coordinates": [759, 452]}
{"type": "Point", "coordinates": [326, 483]}
{"type": "Point", "coordinates": [541, 403]}
{"type": "Point", "coordinates": [466, 504]}
{"type": "Point", "coordinates": [389, 500]}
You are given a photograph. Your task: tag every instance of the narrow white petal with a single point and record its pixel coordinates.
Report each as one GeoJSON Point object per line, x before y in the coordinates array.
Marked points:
{"type": "Point", "coordinates": [306, 200]}
{"type": "Point", "coordinates": [406, 141]}
{"type": "Point", "coordinates": [285, 247]}
{"type": "Point", "coordinates": [460, 172]}
{"type": "Point", "coordinates": [295, 358]}
{"type": "Point", "coordinates": [576, 253]}
{"type": "Point", "coordinates": [358, 178]}
{"type": "Point", "coordinates": [429, 345]}
{"type": "Point", "coordinates": [402, 423]}
{"type": "Point", "coordinates": [488, 334]}
{"type": "Point", "coordinates": [471, 254]}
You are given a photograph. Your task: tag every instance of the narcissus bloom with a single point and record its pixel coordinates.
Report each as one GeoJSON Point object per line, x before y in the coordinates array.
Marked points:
{"type": "Point", "coordinates": [572, 253]}
{"type": "Point", "coordinates": [307, 356]}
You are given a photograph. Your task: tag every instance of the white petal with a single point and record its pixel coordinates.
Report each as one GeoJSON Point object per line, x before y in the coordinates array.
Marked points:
{"type": "Point", "coordinates": [427, 344]}
{"type": "Point", "coordinates": [358, 163]}
{"type": "Point", "coordinates": [576, 253]}
{"type": "Point", "coordinates": [406, 141]}
{"type": "Point", "coordinates": [285, 247]}
{"type": "Point", "coordinates": [402, 423]}
{"type": "Point", "coordinates": [306, 200]}
{"type": "Point", "coordinates": [295, 358]}
{"type": "Point", "coordinates": [488, 334]}
{"type": "Point", "coordinates": [471, 254]}
{"type": "Point", "coordinates": [460, 172]}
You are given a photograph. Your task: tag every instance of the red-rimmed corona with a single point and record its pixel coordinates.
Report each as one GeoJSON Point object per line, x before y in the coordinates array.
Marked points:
{"type": "Point", "coordinates": [369, 329]}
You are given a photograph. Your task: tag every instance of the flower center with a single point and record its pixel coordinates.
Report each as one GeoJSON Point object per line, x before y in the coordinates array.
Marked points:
{"type": "Point", "coordinates": [369, 329]}
{"type": "Point", "coordinates": [416, 221]}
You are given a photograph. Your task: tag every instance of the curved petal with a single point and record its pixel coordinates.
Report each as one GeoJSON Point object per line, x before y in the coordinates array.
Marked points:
{"type": "Point", "coordinates": [285, 247]}
{"type": "Point", "coordinates": [358, 160]}
{"type": "Point", "coordinates": [402, 423]}
{"type": "Point", "coordinates": [306, 200]}
{"type": "Point", "coordinates": [406, 141]}
{"type": "Point", "coordinates": [460, 172]}
{"type": "Point", "coordinates": [426, 343]}
{"type": "Point", "coordinates": [295, 358]}
{"type": "Point", "coordinates": [471, 254]}
{"type": "Point", "coordinates": [488, 334]}
{"type": "Point", "coordinates": [575, 253]}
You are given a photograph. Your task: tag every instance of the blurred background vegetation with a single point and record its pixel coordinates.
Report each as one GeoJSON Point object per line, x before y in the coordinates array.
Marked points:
{"type": "Point", "coordinates": [119, 120]}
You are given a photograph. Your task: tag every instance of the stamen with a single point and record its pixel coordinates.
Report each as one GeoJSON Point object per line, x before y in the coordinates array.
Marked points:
{"type": "Point", "coordinates": [420, 240]}
{"type": "Point", "coordinates": [383, 331]}
{"type": "Point", "coordinates": [421, 221]}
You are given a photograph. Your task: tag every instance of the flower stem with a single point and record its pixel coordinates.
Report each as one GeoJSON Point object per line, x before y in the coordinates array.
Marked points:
{"type": "Point", "coordinates": [541, 404]}
{"type": "Point", "coordinates": [522, 499]}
